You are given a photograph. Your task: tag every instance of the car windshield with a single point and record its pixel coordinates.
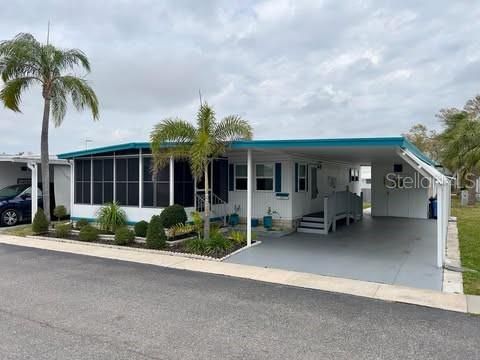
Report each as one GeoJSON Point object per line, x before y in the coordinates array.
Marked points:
{"type": "Point", "coordinates": [12, 190]}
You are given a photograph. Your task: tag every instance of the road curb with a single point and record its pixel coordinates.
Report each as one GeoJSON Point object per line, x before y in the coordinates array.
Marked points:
{"type": "Point", "coordinates": [422, 297]}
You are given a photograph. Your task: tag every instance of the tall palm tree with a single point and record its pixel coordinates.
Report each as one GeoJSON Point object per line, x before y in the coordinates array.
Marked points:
{"type": "Point", "coordinates": [199, 145]}
{"type": "Point", "coordinates": [25, 62]}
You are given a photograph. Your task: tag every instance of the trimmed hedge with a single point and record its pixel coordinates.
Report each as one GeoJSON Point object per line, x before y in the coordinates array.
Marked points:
{"type": "Point", "coordinates": [81, 223]}
{"type": "Point", "coordinates": [124, 236]}
{"type": "Point", "coordinates": [40, 222]}
{"type": "Point", "coordinates": [155, 234]}
{"type": "Point", "coordinates": [141, 228]}
{"type": "Point", "coordinates": [173, 215]}
{"type": "Point", "coordinates": [60, 212]}
{"type": "Point", "coordinates": [62, 230]}
{"type": "Point", "coordinates": [88, 233]}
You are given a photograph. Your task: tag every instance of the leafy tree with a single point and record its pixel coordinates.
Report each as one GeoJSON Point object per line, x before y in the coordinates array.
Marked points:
{"type": "Point", "coordinates": [210, 138]}
{"type": "Point", "coordinates": [460, 140]}
{"type": "Point", "coordinates": [425, 140]}
{"type": "Point", "coordinates": [25, 62]}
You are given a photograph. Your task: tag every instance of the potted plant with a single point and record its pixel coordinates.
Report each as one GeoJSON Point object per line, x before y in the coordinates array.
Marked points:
{"type": "Point", "coordinates": [234, 219]}
{"type": "Point", "coordinates": [268, 219]}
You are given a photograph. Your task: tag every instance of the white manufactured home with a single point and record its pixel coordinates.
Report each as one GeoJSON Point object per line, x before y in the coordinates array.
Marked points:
{"type": "Point", "coordinates": [312, 185]}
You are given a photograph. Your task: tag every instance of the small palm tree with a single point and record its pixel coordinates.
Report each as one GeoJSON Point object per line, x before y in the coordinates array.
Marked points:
{"type": "Point", "coordinates": [460, 150]}
{"type": "Point", "coordinates": [199, 145]}
{"type": "Point", "coordinates": [25, 62]}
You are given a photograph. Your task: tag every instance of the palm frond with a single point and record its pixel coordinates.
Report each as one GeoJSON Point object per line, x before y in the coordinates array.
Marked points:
{"type": "Point", "coordinates": [19, 57]}
{"type": "Point", "coordinates": [171, 132]}
{"type": "Point", "coordinates": [233, 128]}
{"type": "Point", "coordinates": [69, 59]}
{"type": "Point", "coordinates": [206, 119]}
{"type": "Point", "coordinates": [59, 103]}
{"type": "Point", "coordinates": [11, 94]}
{"type": "Point", "coordinates": [81, 93]}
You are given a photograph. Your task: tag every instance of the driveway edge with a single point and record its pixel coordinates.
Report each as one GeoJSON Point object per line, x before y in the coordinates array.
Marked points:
{"type": "Point", "coordinates": [422, 297]}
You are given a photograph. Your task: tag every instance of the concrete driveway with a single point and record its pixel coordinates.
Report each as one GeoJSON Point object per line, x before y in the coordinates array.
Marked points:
{"type": "Point", "coordinates": [386, 250]}
{"type": "Point", "coordinates": [62, 306]}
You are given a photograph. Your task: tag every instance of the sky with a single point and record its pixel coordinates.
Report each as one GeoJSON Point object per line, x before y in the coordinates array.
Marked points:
{"type": "Point", "coordinates": [293, 69]}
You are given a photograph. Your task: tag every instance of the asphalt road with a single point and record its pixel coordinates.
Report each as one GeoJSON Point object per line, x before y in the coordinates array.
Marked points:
{"type": "Point", "coordinates": [62, 306]}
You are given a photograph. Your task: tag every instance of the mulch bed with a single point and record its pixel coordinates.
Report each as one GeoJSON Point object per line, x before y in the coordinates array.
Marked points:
{"type": "Point", "coordinates": [177, 248]}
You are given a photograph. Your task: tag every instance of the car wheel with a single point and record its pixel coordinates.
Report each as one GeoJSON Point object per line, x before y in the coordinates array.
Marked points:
{"type": "Point", "coordinates": [10, 218]}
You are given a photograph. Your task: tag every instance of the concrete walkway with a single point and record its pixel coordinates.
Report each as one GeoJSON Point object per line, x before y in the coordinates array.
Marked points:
{"type": "Point", "coordinates": [430, 298]}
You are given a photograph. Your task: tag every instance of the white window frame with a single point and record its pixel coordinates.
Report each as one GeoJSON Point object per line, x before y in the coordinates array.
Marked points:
{"type": "Point", "coordinates": [265, 177]}
{"type": "Point", "coordinates": [240, 177]}
{"type": "Point", "coordinates": [302, 177]}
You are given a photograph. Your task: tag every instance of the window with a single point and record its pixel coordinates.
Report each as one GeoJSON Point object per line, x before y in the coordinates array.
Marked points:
{"type": "Point", "coordinates": [302, 177]}
{"type": "Point", "coordinates": [126, 181]}
{"type": "Point", "coordinates": [183, 184]}
{"type": "Point", "coordinates": [102, 181]}
{"type": "Point", "coordinates": [82, 181]}
{"type": "Point", "coordinates": [240, 177]}
{"type": "Point", "coordinates": [156, 189]}
{"type": "Point", "coordinates": [264, 177]}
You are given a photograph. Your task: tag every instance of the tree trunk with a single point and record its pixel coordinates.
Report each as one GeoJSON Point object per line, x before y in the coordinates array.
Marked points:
{"type": "Point", "coordinates": [472, 189]}
{"type": "Point", "coordinates": [45, 160]}
{"type": "Point", "coordinates": [206, 222]}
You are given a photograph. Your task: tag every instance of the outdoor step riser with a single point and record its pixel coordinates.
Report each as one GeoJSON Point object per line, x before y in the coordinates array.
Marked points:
{"type": "Point", "coordinates": [312, 219]}
{"type": "Point", "coordinates": [312, 224]}
{"type": "Point", "coordinates": [310, 231]}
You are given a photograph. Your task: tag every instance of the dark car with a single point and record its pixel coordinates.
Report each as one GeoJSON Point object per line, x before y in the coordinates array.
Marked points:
{"type": "Point", "coordinates": [16, 204]}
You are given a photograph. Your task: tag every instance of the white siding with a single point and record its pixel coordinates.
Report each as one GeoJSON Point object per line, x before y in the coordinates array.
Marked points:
{"type": "Point", "coordinates": [134, 214]}
{"type": "Point", "coordinates": [409, 203]}
{"type": "Point", "coordinates": [264, 199]}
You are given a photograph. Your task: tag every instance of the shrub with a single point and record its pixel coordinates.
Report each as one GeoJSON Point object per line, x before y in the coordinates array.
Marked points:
{"type": "Point", "coordinates": [88, 233]}
{"type": "Point", "coordinates": [196, 246]}
{"type": "Point", "coordinates": [81, 223]}
{"type": "Point", "coordinates": [218, 245]}
{"type": "Point", "coordinates": [197, 223]}
{"type": "Point", "coordinates": [141, 228]}
{"type": "Point", "coordinates": [40, 222]}
{"type": "Point", "coordinates": [173, 215]}
{"type": "Point", "coordinates": [155, 233]}
{"type": "Point", "coordinates": [180, 229]}
{"type": "Point", "coordinates": [62, 230]}
{"type": "Point", "coordinates": [60, 212]}
{"type": "Point", "coordinates": [238, 237]}
{"type": "Point", "coordinates": [124, 236]}
{"type": "Point", "coordinates": [111, 216]}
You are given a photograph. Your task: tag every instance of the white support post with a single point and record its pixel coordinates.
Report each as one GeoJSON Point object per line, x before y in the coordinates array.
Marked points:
{"type": "Point", "coordinates": [325, 215]}
{"type": "Point", "coordinates": [34, 168]}
{"type": "Point", "coordinates": [172, 181]}
{"type": "Point", "coordinates": [72, 185]}
{"type": "Point", "coordinates": [140, 179]}
{"type": "Point", "coordinates": [249, 198]}
{"type": "Point", "coordinates": [361, 205]}
{"type": "Point", "coordinates": [348, 209]}
{"type": "Point", "coordinates": [440, 241]}
{"type": "Point", "coordinates": [334, 215]}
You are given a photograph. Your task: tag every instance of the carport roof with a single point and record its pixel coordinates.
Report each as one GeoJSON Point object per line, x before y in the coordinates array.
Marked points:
{"type": "Point", "coordinates": [371, 142]}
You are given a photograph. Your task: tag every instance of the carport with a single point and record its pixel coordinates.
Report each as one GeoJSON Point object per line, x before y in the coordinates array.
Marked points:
{"type": "Point", "coordinates": [26, 169]}
{"type": "Point", "coordinates": [397, 244]}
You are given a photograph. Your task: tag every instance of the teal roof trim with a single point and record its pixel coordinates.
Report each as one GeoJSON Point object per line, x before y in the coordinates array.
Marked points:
{"type": "Point", "coordinates": [104, 149]}
{"type": "Point", "coordinates": [299, 143]}
{"type": "Point", "coordinates": [277, 144]}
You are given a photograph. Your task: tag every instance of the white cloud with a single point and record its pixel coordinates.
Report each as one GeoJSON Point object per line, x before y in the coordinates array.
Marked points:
{"type": "Point", "coordinates": [293, 68]}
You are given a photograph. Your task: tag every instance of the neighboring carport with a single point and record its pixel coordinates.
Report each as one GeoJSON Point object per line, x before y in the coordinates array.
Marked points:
{"type": "Point", "coordinates": [26, 169]}
{"type": "Point", "coordinates": [398, 244]}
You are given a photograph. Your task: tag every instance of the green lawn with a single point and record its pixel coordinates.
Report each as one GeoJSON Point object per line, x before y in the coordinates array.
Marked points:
{"type": "Point", "coordinates": [21, 230]}
{"type": "Point", "coordinates": [468, 219]}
